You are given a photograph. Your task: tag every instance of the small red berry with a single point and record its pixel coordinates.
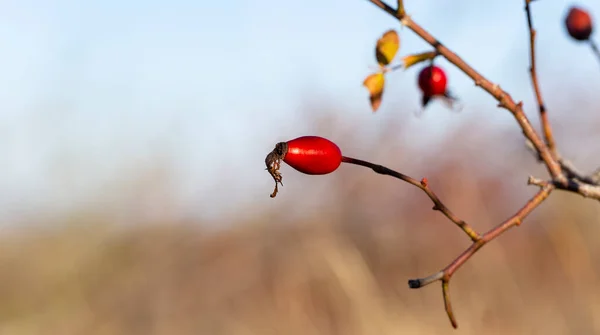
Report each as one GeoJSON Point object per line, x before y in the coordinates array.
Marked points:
{"type": "Point", "coordinates": [432, 81]}
{"type": "Point", "coordinates": [312, 155]}
{"type": "Point", "coordinates": [579, 23]}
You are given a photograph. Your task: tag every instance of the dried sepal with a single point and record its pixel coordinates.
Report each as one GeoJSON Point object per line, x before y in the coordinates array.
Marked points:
{"type": "Point", "coordinates": [273, 163]}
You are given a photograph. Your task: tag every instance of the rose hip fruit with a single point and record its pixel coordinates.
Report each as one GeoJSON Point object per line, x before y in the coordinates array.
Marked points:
{"type": "Point", "coordinates": [579, 23]}
{"type": "Point", "coordinates": [311, 155]}
{"type": "Point", "coordinates": [432, 81]}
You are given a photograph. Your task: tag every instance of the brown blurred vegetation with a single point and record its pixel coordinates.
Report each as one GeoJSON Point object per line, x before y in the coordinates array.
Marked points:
{"type": "Point", "coordinates": [338, 265]}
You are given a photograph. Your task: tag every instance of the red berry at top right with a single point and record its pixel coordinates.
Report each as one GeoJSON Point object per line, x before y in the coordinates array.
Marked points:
{"type": "Point", "coordinates": [432, 81]}
{"type": "Point", "coordinates": [579, 23]}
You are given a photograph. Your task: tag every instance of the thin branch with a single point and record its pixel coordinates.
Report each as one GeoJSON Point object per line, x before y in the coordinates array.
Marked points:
{"type": "Point", "coordinates": [447, 304]}
{"type": "Point", "coordinates": [534, 152]}
{"type": "Point", "coordinates": [595, 49]}
{"type": "Point", "coordinates": [400, 5]}
{"type": "Point", "coordinates": [547, 129]}
{"type": "Point", "coordinates": [573, 173]}
{"type": "Point", "coordinates": [504, 99]}
{"type": "Point", "coordinates": [447, 273]}
{"type": "Point", "coordinates": [586, 190]}
{"type": "Point", "coordinates": [575, 186]}
{"type": "Point", "coordinates": [424, 186]}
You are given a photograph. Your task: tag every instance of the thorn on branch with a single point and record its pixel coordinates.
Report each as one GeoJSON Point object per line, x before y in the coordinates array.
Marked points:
{"type": "Point", "coordinates": [502, 98]}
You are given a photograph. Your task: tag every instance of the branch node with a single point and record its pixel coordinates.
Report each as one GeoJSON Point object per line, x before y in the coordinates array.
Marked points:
{"type": "Point", "coordinates": [405, 20]}
{"type": "Point", "coordinates": [537, 182]}
{"type": "Point", "coordinates": [495, 89]}
{"type": "Point", "coordinates": [502, 100]}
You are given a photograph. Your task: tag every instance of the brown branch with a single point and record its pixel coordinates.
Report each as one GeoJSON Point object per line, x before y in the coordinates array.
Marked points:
{"type": "Point", "coordinates": [573, 173]}
{"type": "Point", "coordinates": [576, 186]}
{"type": "Point", "coordinates": [447, 273]}
{"type": "Point", "coordinates": [547, 129]}
{"type": "Point", "coordinates": [424, 186]}
{"type": "Point", "coordinates": [504, 99]}
{"type": "Point", "coordinates": [585, 190]}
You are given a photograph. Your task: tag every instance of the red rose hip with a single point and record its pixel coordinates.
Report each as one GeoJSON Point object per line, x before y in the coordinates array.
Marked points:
{"type": "Point", "coordinates": [579, 23]}
{"type": "Point", "coordinates": [311, 155]}
{"type": "Point", "coordinates": [432, 81]}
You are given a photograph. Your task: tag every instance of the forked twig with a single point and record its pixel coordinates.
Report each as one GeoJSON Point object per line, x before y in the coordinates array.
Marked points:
{"type": "Point", "coordinates": [445, 274]}
{"type": "Point", "coordinates": [547, 129]}
{"type": "Point", "coordinates": [424, 186]}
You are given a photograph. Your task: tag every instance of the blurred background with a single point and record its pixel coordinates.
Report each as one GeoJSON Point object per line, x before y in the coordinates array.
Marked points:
{"type": "Point", "coordinates": [134, 197]}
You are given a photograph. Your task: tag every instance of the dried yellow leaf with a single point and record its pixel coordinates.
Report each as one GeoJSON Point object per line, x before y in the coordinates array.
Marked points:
{"type": "Point", "coordinates": [375, 83]}
{"type": "Point", "coordinates": [411, 60]}
{"type": "Point", "coordinates": [387, 47]}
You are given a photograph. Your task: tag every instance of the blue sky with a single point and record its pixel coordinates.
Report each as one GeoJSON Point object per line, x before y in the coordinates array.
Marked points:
{"type": "Point", "coordinates": [91, 88]}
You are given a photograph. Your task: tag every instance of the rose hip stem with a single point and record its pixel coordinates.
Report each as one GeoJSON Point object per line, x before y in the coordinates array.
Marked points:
{"type": "Point", "coordinates": [424, 186]}
{"type": "Point", "coordinates": [595, 49]}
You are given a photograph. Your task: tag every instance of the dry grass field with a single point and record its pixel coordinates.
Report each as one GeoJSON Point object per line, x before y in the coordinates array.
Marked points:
{"type": "Point", "coordinates": [339, 266]}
